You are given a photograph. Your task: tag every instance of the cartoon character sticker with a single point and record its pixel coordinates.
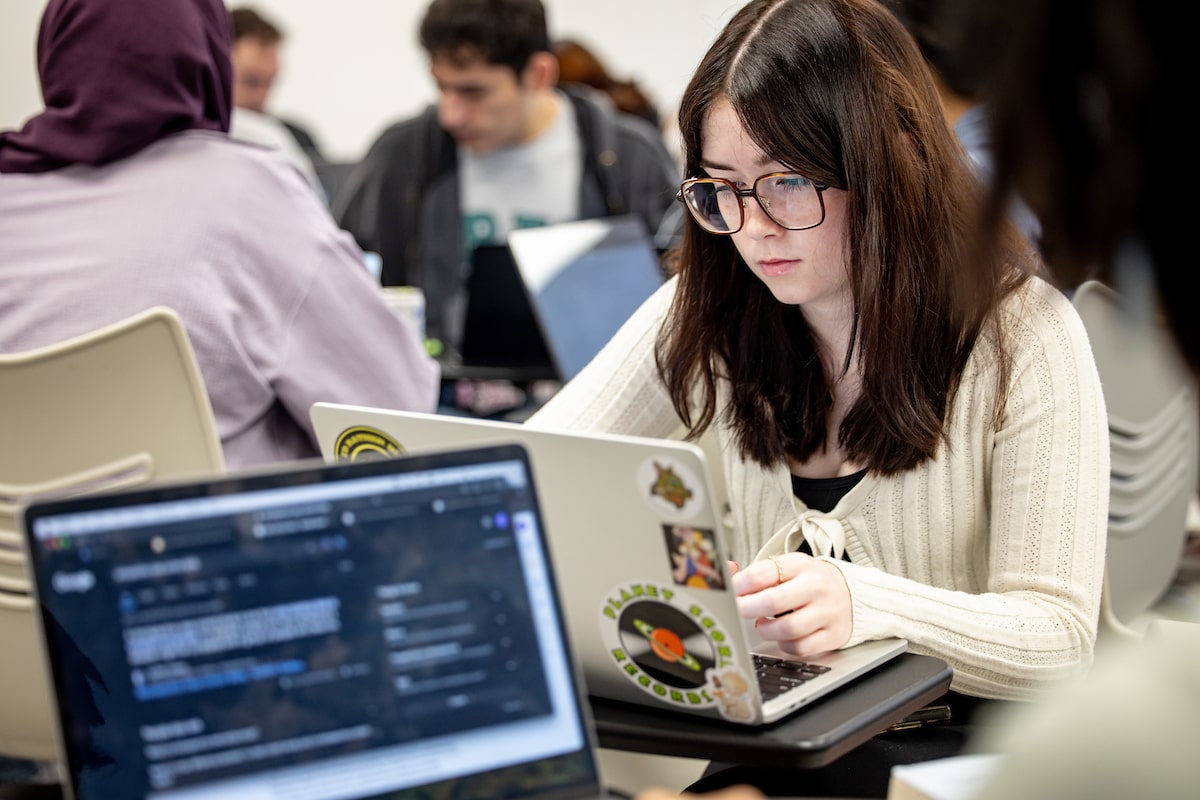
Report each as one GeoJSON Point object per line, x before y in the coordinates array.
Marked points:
{"type": "Point", "coordinates": [674, 649]}
{"type": "Point", "coordinates": [732, 691]}
{"type": "Point", "coordinates": [361, 443]}
{"type": "Point", "coordinates": [693, 554]}
{"type": "Point", "coordinates": [672, 489]}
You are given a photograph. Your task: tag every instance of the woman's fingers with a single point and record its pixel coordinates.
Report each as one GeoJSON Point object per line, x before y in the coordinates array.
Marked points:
{"type": "Point", "coordinates": [765, 573]}
{"type": "Point", "coordinates": [800, 602]}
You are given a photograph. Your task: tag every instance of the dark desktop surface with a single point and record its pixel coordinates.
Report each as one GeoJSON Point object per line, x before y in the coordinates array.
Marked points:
{"type": "Point", "coordinates": [455, 367]}
{"type": "Point", "coordinates": [814, 736]}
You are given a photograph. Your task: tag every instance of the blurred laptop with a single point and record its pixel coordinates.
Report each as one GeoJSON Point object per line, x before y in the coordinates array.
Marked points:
{"type": "Point", "coordinates": [383, 629]}
{"type": "Point", "coordinates": [583, 280]}
{"type": "Point", "coordinates": [501, 336]}
{"type": "Point", "coordinates": [641, 552]}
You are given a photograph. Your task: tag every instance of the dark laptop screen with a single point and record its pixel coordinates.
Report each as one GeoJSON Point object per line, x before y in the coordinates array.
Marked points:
{"type": "Point", "coordinates": [348, 631]}
{"type": "Point", "coordinates": [499, 328]}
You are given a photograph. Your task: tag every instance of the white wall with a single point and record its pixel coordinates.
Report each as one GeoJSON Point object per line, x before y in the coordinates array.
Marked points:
{"type": "Point", "coordinates": [19, 93]}
{"type": "Point", "coordinates": [353, 66]}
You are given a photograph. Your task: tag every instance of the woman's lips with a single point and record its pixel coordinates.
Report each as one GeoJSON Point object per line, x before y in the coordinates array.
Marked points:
{"type": "Point", "coordinates": [773, 267]}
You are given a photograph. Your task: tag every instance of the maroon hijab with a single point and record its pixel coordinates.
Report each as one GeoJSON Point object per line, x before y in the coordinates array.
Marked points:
{"type": "Point", "coordinates": [117, 75]}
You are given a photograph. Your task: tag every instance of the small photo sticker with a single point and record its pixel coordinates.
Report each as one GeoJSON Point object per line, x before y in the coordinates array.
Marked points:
{"type": "Point", "coordinates": [670, 488]}
{"type": "Point", "coordinates": [694, 559]}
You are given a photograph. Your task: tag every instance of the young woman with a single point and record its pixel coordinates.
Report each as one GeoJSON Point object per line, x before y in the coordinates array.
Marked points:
{"type": "Point", "coordinates": [914, 437]}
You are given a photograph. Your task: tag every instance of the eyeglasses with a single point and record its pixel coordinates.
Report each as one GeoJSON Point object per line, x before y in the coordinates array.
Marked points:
{"type": "Point", "coordinates": [791, 201]}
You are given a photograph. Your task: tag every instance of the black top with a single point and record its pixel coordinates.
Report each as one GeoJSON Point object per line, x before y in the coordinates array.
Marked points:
{"type": "Point", "coordinates": [822, 494]}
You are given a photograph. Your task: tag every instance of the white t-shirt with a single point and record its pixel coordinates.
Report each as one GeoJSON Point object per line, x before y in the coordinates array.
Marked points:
{"type": "Point", "coordinates": [531, 184]}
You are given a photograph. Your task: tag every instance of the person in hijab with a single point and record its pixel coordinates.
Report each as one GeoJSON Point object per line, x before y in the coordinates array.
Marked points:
{"type": "Point", "coordinates": [126, 192]}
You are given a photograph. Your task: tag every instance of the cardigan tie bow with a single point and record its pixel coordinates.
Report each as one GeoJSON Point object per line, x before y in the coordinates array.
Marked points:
{"type": "Point", "coordinates": [824, 535]}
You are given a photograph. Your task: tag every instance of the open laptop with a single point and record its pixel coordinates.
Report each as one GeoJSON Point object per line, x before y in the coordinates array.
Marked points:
{"type": "Point", "coordinates": [584, 279]}
{"type": "Point", "coordinates": [640, 550]}
{"type": "Point", "coordinates": [500, 330]}
{"type": "Point", "coordinates": [380, 629]}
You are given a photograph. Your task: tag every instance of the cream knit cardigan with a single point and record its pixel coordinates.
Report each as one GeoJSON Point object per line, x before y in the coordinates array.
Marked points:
{"type": "Point", "coordinates": [989, 556]}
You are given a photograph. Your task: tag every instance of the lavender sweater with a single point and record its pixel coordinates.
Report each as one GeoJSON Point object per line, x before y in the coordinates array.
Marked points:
{"type": "Point", "coordinates": [279, 309]}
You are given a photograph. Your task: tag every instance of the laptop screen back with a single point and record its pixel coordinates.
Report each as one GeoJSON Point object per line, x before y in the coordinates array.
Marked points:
{"type": "Point", "coordinates": [381, 629]}
{"type": "Point", "coordinates": [584, 280]}
{"type": "Point", "coordinates": [500, 329]}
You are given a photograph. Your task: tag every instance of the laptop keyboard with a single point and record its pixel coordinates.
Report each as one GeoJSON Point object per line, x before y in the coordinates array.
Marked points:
{"type": "Point", "coordinates": [776, 675]}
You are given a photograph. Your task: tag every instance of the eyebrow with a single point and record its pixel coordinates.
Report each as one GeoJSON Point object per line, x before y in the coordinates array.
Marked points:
{"type": "Point", "coordinates": [461, 87]}
{"type": "Point", "coordinates": [763, 161]}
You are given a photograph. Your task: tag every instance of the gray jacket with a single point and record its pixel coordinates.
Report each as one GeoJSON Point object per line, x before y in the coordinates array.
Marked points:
{"type": "Point", "coordinates": [402, 201]}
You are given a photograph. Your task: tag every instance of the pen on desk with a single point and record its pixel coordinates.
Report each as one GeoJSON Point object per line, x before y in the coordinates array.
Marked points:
{"type": "Point", "coordinates": [929, 715]}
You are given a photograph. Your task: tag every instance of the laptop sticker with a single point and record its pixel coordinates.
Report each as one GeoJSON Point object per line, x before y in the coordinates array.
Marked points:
{"type": "Point", "coordinates": [671, 488]}
{"type": "Point", "coordinates": [672, 648]}
{"type": "Point", "coordinates": [732, 690]}
{"type": "Point", "coordinates": [362, 443]}
{"type": "Point", "coordinates": [693, 557]}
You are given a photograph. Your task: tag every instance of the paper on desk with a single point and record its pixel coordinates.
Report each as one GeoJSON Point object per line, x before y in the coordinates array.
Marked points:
{"type": "Point", "coordinates": [954, 778]}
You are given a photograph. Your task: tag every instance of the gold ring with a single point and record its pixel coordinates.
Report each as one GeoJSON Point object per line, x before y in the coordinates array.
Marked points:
{"type": "Point", "coordinates": [778, 569]}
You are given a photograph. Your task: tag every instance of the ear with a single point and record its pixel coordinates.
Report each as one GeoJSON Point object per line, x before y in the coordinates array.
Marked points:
{"type": "Point", "coordinates": [541, 71]}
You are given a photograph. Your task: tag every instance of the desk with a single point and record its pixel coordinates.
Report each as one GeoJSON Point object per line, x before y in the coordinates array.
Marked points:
{"type": "Point", "coordinates": [812, 737]}
{"type": "Point", "coordinates": [454, 369]}
{"type": "Point", "coordinates": [465, 389]}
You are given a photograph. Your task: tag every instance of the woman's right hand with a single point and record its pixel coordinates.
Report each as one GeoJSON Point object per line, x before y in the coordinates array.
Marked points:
{"type": "Point", "coordinates": [799, 602]}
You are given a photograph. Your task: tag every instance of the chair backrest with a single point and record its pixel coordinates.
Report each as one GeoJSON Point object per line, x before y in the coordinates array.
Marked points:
{"type": "Point", "coordinates": [1154, 434]}
{"type": "Point", "coordinates": [120, 406]}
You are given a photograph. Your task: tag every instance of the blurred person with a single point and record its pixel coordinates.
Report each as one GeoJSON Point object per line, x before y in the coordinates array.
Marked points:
{"type": "Point", "coordinates": [261, 129]}
{"type": "Point", "coordinates": [257, 42]}
{"type": "Point", "coordinates": [1083, 100]}
{"type": "Point", "coordinates": [1084, 116]}
{"type": "Point", "coordinates": [959, 70]}
{"type": "Point", "coordinates": [109, 207]}
{"type": "Point", "coordinates": [255, 55]}
{"type": "Point", "coordinates": [504, 147]}
{"type": "Point", "coordinates": [579, 65]}
{"type": "Point", "coordinates": [913, 430]}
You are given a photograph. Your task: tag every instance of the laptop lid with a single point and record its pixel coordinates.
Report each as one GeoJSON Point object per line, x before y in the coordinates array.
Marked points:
{"type": "Point", "coordinates": [584, 279]}
{"type": "Point", "coordinates": [640, 547]}
{"type": "Point", "coordinates": [499, 326]}
{"type": "Point", "coordinates": [388, 628]}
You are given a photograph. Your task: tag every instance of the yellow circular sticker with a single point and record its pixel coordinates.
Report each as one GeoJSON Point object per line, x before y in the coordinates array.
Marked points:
{"type": "Point", "coordinates": [361, 443]}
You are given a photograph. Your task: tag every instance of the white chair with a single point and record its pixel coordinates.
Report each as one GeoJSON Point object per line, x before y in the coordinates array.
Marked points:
{"type": "Point", "coordinates": [1153, 421]}
{"type": "Point", "coordinates": [116, 408]}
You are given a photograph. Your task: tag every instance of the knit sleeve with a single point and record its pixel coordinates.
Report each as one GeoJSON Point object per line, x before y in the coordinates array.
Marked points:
{"type": "Point", "coordinates": [993, 557]}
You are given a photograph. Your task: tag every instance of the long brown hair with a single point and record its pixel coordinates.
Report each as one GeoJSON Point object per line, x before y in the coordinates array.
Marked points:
{"type": "Point", "coordinates": [838, 91]}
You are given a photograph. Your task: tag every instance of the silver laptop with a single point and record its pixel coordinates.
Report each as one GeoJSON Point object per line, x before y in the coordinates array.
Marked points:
{"type": "Point", "coordinates": [584, 279]}
{"type": "Point", "coordinates": [637, 541]}
{"type": "Point", "coordinates": [383, 629]}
